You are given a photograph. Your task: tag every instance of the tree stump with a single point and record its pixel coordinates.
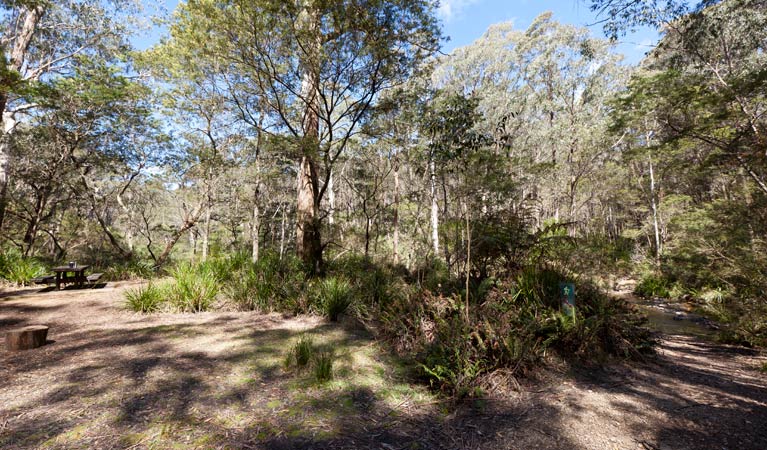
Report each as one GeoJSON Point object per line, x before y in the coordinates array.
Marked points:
{"type": "Point", "coordinates": [26, 338]}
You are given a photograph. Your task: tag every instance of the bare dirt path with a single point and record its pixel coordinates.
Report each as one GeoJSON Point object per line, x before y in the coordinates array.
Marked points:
{"type": "Point", "coordinates": [114, 379]}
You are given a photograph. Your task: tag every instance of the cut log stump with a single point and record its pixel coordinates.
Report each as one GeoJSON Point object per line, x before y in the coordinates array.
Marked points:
{"type": "Point", "coordinates": [26, 338]}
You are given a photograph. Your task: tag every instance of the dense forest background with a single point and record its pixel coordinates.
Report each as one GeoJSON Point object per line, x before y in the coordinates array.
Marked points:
{"type": "Point", "coordinates": [332, 136]}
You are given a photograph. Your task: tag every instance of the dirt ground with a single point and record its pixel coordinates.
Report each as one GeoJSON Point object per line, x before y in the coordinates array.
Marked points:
{"type": "Point", "coordinates": [109, 378]}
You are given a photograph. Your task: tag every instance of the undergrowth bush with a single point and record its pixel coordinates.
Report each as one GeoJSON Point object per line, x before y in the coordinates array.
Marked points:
{"type": "Point", "coordinates": [226, 268]}
{"type": "Point", "coordinates": [194, 288]}
{"type": "Point", "coordinates": [333, 296]}
{"type": "Point", "coordinates": [147, 299]}
{"type": "Point", "coordinates": [129, 270]}
{"type": "Point", "coordinates": [18, 269]}
{"type": "Point", "coordinates": [271, 284]}
{"type": "Point", "coordinates": [512, 329]}
{"type": "Point", "coordinates": [652, 285]}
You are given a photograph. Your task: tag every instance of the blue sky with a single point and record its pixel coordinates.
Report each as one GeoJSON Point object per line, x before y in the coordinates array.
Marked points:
{"type": "Point", "coordinates": [466, 20]}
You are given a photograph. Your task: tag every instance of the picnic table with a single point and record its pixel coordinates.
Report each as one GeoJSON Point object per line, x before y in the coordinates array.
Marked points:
{"type": "Point", "coordinates": [78, 275]}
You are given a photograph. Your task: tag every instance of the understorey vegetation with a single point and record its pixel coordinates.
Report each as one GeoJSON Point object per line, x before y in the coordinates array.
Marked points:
{"type": "Point", "coordinates": [507, 325]}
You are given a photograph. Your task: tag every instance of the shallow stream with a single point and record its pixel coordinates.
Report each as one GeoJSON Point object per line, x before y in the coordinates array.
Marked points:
{"type": "Point", "coordinates": [672, 318]}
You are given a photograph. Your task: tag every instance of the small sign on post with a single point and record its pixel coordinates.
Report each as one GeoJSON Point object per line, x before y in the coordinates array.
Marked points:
{"type": "Point", "coordinates": [567, 295]}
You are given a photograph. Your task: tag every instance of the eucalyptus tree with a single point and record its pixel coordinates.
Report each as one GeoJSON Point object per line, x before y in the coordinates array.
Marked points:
{"type": "Point", "coordinates": [81, 152]}
{"type": "Point", "coordinates": [543, 97]}
{"type": "Point", "coordinates": [316, 69]}
{"type": "Point", "coordinates": [39, 42]}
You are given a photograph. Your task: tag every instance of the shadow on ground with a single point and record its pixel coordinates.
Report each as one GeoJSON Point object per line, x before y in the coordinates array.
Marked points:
{"type": "Point", "coordinates": [218, 381]}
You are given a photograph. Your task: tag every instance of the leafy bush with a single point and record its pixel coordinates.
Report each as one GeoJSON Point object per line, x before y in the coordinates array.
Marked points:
{"type": "Point", "coordinates": [512, 329]}
{"type": "Point", "coordinates": [334, 296]}
{"type": "Point", "coordinates": [146, 299]}
{"type": "Point", "coordinates": [195, 288]}
{"type": "Point", "coordinates": [269, 284]}
{"type": "Point", "coordinates": [225, 269]}
{"type": "Point", "coordinates": [18, 269]}
{"type": "Point", "coordinates": [652, 286]}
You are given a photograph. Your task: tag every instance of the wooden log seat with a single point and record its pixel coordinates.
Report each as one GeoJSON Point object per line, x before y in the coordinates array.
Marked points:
{"type": "Point", "coordinates": [26, 338]}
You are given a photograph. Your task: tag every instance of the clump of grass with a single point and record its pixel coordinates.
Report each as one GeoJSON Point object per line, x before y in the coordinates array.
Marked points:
{"type": "Point", "coordinates": [270, 284]}
{"type": "Point", "coordinates": [225, 268]}
{"type": "Point", "coordinates": [334, 296]}
{"type": "Point", "coordinates": [301, 353]}
{"type": "Point", "coordinates": [304, 354]}
{"type": "Point", "coordinates": [146, 299]}
{"type": "Point", "coordinates": [323, 366]}
{"type": "Point", "coordinates": [195, 288]}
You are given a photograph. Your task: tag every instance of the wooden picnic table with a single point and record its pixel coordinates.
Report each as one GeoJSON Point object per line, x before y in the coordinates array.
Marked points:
{"type": "Point", "coordinates": [78, 275]}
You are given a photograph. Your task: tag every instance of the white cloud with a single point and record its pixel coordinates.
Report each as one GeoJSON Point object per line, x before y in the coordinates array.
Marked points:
{"type": "Point", "coordinates": [449, 9]}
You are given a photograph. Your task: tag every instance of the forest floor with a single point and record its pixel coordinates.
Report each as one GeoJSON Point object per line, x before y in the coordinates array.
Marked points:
{"type": "Point", "coordinates": [109, 378]}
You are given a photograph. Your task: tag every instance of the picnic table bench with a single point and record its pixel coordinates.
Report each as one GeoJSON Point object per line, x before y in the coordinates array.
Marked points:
{"type": "Point", "coordinates": [69, 274]}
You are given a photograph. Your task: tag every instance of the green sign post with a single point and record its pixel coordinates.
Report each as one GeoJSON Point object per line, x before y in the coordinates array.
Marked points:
{"type": "Point", "coordinates": [567, 295]}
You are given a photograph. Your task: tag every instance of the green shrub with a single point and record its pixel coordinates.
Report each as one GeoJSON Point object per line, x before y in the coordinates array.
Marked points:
{"type": "Point", "coordinates": [652, 286]}
{"type": "Point", "coordinates": [518, 323]}
{"type": "Point", "coordinates": [146, 299]}
{"type": "Point", "coordinates": [194, 289]}
{"type": "Point", "coordinates": [129, 270]}
{"type": "Point", "coordinates": [323, 366]}
{"type": "Point", "coordinates": [334, 296]}
{"type": "Point", "coordinates": [18, 269]}
{"type": "Point", "coordinates": [271, 284]}
{"type": "Point", "coordinates": [225, 269]}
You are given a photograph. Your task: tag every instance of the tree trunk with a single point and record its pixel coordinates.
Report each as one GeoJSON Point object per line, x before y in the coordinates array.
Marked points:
{"type": "Point", "coordinates": [468, 260]}
{"type": "Point", "coordinates": [282, 232]}
{"type": "Point", "coordinates": [308, 227]}
{"type": "Point", "coordinates": [654, 205]}
{"type": "Point", "coordinates": [19, 48]}
{"type": "Point", "coordinates": [434, 208]}
{"type": "Point", "coordinates": [189, 222]}
{"type": "Point", "coordinates": [308, 240]}
{"type": "Point", "coordinates": [395, 223]}
{"type": "Point", "coordinates": [256, 224]}
{"type": "Point", "coordinates": [331, 200]}
{"type": "Point", "coordinates": [206, 233]}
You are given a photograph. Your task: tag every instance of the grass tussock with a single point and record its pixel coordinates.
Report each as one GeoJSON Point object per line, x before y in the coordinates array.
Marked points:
{"type": "Point", "coordinates": [147, 299]}
{"type": "Point", "coordinates": [304, 354]}
{"type": "Point", "coordinates": [333, 296]}
{"type": "Point", "coordinates": [194, 288]}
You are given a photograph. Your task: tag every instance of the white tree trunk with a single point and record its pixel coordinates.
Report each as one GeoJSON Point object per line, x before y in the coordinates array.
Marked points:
{"type": "Point", "coordinates": [331, 199]}
{"type": "Point", "coordinates": [255, 225]}
{"type": "Point", "coordinates": [282, 233]}
{"type": "Point", "coordinates": [434, 208]}
{"type": "Point", "coordinates": [395, 239]}
{"type": "Point", "coordinates": [654, 205]}
{"type": "Point", "coordinates": [206, 233]}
